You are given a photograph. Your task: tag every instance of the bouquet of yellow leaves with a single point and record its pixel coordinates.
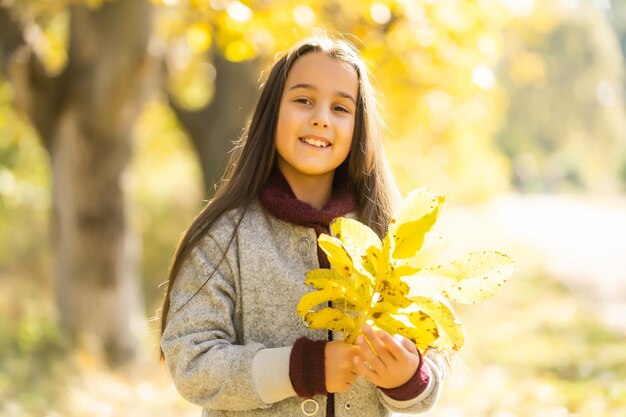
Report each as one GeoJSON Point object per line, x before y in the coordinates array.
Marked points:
{"type": "Point", "coordinates": [396, 284]}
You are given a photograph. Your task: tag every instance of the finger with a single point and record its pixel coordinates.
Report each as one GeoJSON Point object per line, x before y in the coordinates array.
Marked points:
{"type": "Point", "coordinates": [351, 378]}
{"type": "Point", "coordinates": [374, 338]}
{"type": "Point", "coordinates": [392, 349]}
{"type": "Point", "coordinates": [342, 388]}
{"type": "Point", "coordinates": [367, 354]}
{"type": "Point", "coordinates": [346, 364]}
{"type": "Point", "coordinates": [394, 346]}
{"type": "Point", "coordinates": [365, 370]}
{"type": "Point", "coordinates": [407, 344]}
{"type": "Point", "coordinates": [348, 384]}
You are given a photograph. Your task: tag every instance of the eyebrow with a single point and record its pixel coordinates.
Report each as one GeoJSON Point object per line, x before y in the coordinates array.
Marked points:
{"type": "Point", "coordinates": [312, 87]}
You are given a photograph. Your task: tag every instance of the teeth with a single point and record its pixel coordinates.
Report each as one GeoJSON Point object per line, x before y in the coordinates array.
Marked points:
{"type": "Point", "coordinates": [314, 142]}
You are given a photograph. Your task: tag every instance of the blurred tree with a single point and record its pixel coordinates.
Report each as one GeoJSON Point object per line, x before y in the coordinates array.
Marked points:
{"type": "Point", "coordinates": [432, 61]}
{"type": "Point", "coordinates": [566, 121]}
{"type": "Point", "coordinates": [81, 70]}
{"type": "Point", "coordinates": [83, 113]}
{"type": "Point", "coordinates": [214, 127]}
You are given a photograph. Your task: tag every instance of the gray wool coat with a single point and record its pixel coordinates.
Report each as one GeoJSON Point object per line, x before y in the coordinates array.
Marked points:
{"type": "Point", "coordinates": [227, 347]}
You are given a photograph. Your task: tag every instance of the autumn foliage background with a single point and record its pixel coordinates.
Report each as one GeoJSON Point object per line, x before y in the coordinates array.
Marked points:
{"type": "Point", "coordinates": [514, 109]}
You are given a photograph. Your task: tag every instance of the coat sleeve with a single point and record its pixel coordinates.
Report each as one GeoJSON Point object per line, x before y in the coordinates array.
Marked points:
{"type": "Point", "coordinates": [208, 367]}
{"type": "Point", "coordinates": [426, 400]}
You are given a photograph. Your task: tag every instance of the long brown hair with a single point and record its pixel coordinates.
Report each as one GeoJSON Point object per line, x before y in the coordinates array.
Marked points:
{"type": "Point", "coordinates": [253, 157]}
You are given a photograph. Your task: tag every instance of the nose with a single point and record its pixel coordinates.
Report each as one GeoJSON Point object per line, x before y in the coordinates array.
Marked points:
{"type": "Point", "coordinates": [320, 118]}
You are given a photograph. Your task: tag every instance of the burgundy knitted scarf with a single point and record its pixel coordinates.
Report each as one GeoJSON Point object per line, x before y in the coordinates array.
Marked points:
{"type": "Point", "coordinates": [277, 197]}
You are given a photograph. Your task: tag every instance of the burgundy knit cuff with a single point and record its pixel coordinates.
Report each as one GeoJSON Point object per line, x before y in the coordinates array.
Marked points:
{"type": "Point", "coordinates": [413, 387]}
{"type": "Point", "coordinates": [306, 367]}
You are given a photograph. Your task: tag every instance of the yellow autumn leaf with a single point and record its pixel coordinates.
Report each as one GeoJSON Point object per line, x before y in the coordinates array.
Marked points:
{"type": "Point", "coordinates": [355, 290]}
{"type": "Point", "coordinates": [356, 236]}
{"type": "Point", "coordinates": [361, 242]}
{"type": "Point", "coordinates": [428, 255]}
{"type": "Point", "coordinates": [395, 283]}
{"type": "Point", "coordinates": [383, 263]}
{"type": "Point", "coordinates": [478, 275]}
{"type": "Point", "coordinates": [381, 308]}
{"type": "Point", "coordinates": [427, 330]}
{"type": "Point", "coordinates": [429, 282]}
{"type": "Point", "coordinates": [453, 337]}
{"type": "Point", "coordinates": [336, 253]}
{"type": "Point", "coordinates": [331, 319]}
{"type": "Point", "coordinates": [444, 343]}
{"type": "Point", "coordinates": [416, 216]}
{"type": "Point", "coordinates": [310, 300]}
{"type": "Point", "coordinates": [417, 204]}
{"type": "Point", "coordinates": [417, 327]}
{"type": "Point", "coordinates": [410, 236]}
{"type": "Point", "coordinates": [392, 325]}
{"type": "Point", "coordinates": [319, 278]}
{"type": "Point", "coordinates": [394, 291]}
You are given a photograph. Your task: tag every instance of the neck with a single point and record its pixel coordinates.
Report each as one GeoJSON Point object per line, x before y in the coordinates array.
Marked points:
{"type": "Point", "coordinates": [313, 190]}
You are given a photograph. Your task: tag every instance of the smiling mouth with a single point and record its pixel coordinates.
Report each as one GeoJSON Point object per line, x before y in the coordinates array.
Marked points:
{"type": "Point", "coordinates": [315, 142]}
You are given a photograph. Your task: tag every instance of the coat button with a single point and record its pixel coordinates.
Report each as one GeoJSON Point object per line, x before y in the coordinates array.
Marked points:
{"type": "Point", "coordinates": [304, 246]}
{"type": "Point", "coordinates": [347, 406]}
{"type": "Point", "coordinates": [309, 407]}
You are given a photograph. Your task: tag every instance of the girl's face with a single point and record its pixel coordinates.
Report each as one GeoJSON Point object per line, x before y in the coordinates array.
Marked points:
{"type": "Point", "coordinates": [316, 116]}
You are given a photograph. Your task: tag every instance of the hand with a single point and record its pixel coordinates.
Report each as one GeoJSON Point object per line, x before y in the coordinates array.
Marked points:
{"type": "Point", "coordinates": [339, 366]}
{"type": "Point", "coordinates": [393, 361]}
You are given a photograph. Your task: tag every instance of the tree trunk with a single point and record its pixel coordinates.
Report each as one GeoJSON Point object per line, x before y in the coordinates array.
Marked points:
{"type": "Point", "coordinates": [85, 118]}
{"type": "Point", "coordinates": [214, 129]}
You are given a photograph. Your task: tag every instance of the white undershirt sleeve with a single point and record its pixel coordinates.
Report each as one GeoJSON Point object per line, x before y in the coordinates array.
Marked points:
{"type": "Point", "coordinates": [270, 374]}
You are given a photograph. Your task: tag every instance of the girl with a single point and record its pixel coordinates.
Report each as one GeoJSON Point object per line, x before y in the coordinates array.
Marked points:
{"type": "Point", "coordinates": [230, 335]}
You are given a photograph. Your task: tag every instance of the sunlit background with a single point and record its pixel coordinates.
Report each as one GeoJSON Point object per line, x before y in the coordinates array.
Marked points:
{"type": "Point", "coordinates": [514, 109]}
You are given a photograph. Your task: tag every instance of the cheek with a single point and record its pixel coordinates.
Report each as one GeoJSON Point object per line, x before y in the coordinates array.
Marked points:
{"type": "Point", "coordinates": [346, 146]}
{"type": "Point", "coordinates": [280, 122]}
{"type": "Point", "coordinates": [288, 122]}
{"type": "Point", "coordinates": [348, 133]}
{"type": "Point", "coordinates": [281, 130]}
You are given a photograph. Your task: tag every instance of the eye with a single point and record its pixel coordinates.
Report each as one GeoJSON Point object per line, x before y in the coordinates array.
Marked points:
{"type": "Point", "coordinates": [302, 100]}
{"type": "Point", "coordinates": [341, 108]}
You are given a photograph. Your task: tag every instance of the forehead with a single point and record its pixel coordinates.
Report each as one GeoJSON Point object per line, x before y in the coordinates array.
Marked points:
{"type": "Point", "coordinates": [325, 73]}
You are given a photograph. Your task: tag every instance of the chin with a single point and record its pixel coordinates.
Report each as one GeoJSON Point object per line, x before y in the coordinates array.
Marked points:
{"type": "Point", "coordinates": [313, 173]}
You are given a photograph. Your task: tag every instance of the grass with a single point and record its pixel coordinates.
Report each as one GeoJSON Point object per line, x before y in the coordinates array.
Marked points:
{"type": "Point", "coordinates": [537, 349]}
